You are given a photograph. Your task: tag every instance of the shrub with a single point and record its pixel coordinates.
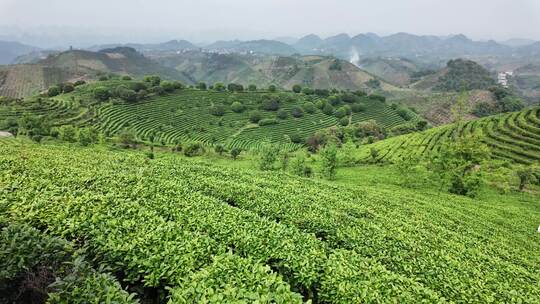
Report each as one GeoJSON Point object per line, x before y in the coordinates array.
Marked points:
{"type": "Point", "coordinates": [237, 107]}
{"type": "Point", "coordinates": [217, 110]}
{"type": "Point", "coordinates": [79, 82]}
{"type": "Point", "coordinates": [344, 121]}
{"type": "Point", "coordinates": [67, 133]}
{"type": "Point", "coordinates": [235, 152]}
{"type": "Point", "coordinates": [219, 87]}
{"type": "Point", "coordinates": [308, 91]}
{"type": "Point", "coordinates": [87, 136]}
{"type": "Point", "coordinates": [267, 122]}
{"type": "Point", "coordinates": [68, 87]}
{"type": "Point", "coordinates": [297, 88]}
{"type": "Point", "coordinates": [193, 149]}
{"type": "Point", "coordinates": [126, 77]}
{"type": "Point", "coordinates": [272, 88]}
{"type": "Point", "coordinates": [329, 162]}
{"type": "Point", "coordinates": [377, 97]}
{"type": "Point", "coordinates": [158, 90]}
{"type": "Point", "coordinates": [328, 109]}
{"type": "Point", "coordinates": [219, 149]}
{"type": "Point", "coordinates": [309, 107]}
{"type": "Point", "coordinates": [168, 86]}
{"type": "Point", "coordinates": [296, 138]}
{"type": "Point", "coordinates": [267, 156]}
{"type": "Point", "coordinates": [297, 112]}
{"type": "Point", "coordinates": [102, 93]}
{"type": "Point", "coordinates": [233, 87]}
{"type": "Point", "coordinates": [358, 107]}
{"type": "Point", "coordinates": [255, 116]}
{"type": "Point", "coordinates": [54, 91]}
{"type": "Point", "coordinates": [103, 78]}
{"type": "Point", "coordinates": [201, 86]}
{"type": "Point", "coordinates": [341, 112]}
{"type": "Point", "coordinates": [405, 113]}
{"type": "Point", "coordinates": [270, 104]}
{"type": "Point", "coordinates": [138, 86]}
{"type": "Point", "coordinates": [252, 87]}
{"type": "Point", "coordinates": [153, 80]}
{"type": "Point", "coordinates": [282, 114]}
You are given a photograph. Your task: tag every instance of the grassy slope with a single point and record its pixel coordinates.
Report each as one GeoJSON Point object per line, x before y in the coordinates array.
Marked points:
{"type": "Point", "coordinates": [382, 245]}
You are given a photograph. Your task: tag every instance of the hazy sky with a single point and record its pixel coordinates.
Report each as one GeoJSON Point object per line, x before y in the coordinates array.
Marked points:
{"type": "Point", "coordinates": [205, 20]}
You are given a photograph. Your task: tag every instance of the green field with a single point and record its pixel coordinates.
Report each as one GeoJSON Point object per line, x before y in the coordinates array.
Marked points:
{"type": "Point", "coordinates": [212, 233]}
{"type": "Point", "coordinates": [512, 136]}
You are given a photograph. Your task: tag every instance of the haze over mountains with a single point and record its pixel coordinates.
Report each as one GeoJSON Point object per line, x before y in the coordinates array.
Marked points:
{"type": "Point", "coordinates": [426, 48]}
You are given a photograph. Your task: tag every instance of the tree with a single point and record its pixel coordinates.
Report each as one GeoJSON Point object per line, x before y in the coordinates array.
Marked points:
{"type": "Point", "coordinates": [358, 107]}
{"type": "Point", "coordinates": [237, 107]}
{"type": "Point", "coordinates": [297, 112]}
{"type": "Point", "coordinates": [255, 116]}
{"type": "Point", "coordinates": [272, 88]}
{"type": "Point", "coordinates": [102, 93]}
{"type": "Point", "coordinates": [217, 110]}
{"type": "Point", "coordinates": [299, 167]}
{"type": "Point", "coordinates": [193, 149]}
{"type": "Point", "coordinates": [219, 87]}
{"type": "Point", "coordinates": [201, 86]}
{"type": "Point", "coordinates": [87, 136]}
{"type": "Point", "coordinates": [153, 80]}
{"type": "Point", "coordinates": [270, 103]}
{"type": "Point", "coordinates": [459, 163]}
{"type": "Point", "coordinates": [67, 133]}
{"type": "Point", "coordinates": [374, 153]}
{"type": "Point", "coordinates": [297, 88]}
{"type": "Point", "coordinates": [126, 77]}
{"type": "Point", "coordinates": [219, 149]}
{"type": "Point", "coordinates": [511, 104]}
{"type": "Point", "coordinates": [54, 91]}
{"type": "Point", "coordinates": [252, 88]}
{"type": "Point", "coordinates": [168, 86]}
{"type": "Point", "coordinates": [267, 156]}
{"type": "Point", "coordinates": [235, 152]}
{"type": "Point", "coordinates": [459, 108]}
{"type": "Point", "coordinates": [525, 175]}
{"type": "Point", "coordinates": [309, 107]}
{"type": "Point", "coordinates": [328, 109]}
{"type": "Point", "coordinates": [329, 161]}
{"type": "Point", "coordinates": [282, 114]}
{"type": "Point", "coordinates": [127, 138]}
{"type": "Point", "coordinates": [68, 87]}
{"type": "Point", "coordinates": [233, 87]}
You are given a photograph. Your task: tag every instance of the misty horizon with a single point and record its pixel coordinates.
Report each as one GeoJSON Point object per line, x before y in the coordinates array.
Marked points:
{"type": "Point", "coordinates": [59, 23]}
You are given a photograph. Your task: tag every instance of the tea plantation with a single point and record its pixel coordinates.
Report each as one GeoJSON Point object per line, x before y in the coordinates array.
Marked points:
{"type": "Point", "coordinates": [513, 136]}
{"type": "Point", "coordinates": [184, 231]}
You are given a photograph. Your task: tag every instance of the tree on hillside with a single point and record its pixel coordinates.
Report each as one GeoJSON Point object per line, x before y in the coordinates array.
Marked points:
{"type": "Point", "coordinates": [297, 88]}
{"type": "Point", "coordinates": [67, 133]}
{"type": "Point", "coordinates": [299, 167]}
{"type": "Point", "coordinates": [219, 87]}
{"type": "Point", "coordinates": [329, 161]}
{"type": "Point", "coordinates": [102, 93]}
{"type": "Point", "coordinates": [459, 163]}
{"type": "Point", "coordinates": [219, 149]}
{"type": "Point", "coordinates": [252, 87]}
{"type": "Point", "coordinates": [235, 152]}
{"type": "Point", "coordinates": [201, 86]}
{"type": "Point", "coordinates": [460, 107]}
{"type": "Point", "coordinates": [237, 107]}
{"type": "Point", "coordinates": [267, 156]}
{"type": "Point", "coordinates": [54, 91]}
{"type": "Point", "coordinates": [153, 80]}
{"type": "Point", "coordinates": [272, 88]}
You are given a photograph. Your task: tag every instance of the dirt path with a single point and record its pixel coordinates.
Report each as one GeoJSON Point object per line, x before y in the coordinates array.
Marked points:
{"type": "Point", "coordinates": [5, 134]}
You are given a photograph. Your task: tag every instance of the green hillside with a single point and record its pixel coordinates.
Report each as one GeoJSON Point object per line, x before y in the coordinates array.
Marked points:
{"type": "Point", "coordinates": [513, 136]}
{"type": "Point", "coordinates": [193, 231]}
{"type": "Point", "coordinates": [312, 71]}
{"type": "Point", "coordinates": [188, 115]}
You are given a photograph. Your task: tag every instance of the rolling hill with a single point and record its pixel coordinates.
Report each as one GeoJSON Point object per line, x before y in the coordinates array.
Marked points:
{"type": "Point", "coordinates": [209, 117]}
{"type": "Point", "coordinates": [512, 136]}
{"type": "Point", "coordinates": [312, 71]}
{"type": "Point", "coordinates": [28, 79]}
{"type": "Point", "coordinates": [10, 50]}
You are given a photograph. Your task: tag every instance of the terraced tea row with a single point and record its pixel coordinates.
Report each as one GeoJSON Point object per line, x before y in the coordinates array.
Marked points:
{"type": "Point", "coordinates": [513, 136]}
{"type": "Point", "coordinates": [202, 230]}
{"type": "Point", "coordinates": [185, 116]}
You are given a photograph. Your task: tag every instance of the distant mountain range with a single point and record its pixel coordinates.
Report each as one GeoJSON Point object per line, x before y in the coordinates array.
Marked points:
{"type": "Point", "coordinates": [421, 48]}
